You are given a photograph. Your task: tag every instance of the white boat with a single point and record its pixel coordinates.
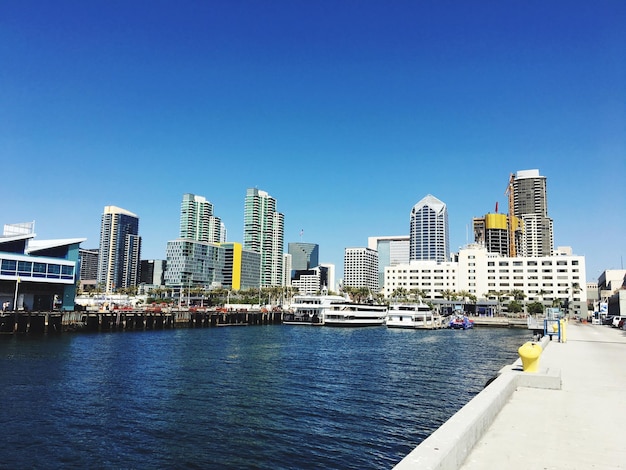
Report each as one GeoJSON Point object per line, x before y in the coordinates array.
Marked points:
{"type": "Point", "coordinates": [333, 310]}
{"type": "Point", "coordinates": [348, 313]}
{"type": "Point", "coordinates": [413, 315]}
{"type": "Point", "coordinates": [309, 309]}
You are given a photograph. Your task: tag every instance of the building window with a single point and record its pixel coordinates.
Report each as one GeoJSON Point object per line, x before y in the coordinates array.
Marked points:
{"type": "Point", "coordinates": [39, 269]}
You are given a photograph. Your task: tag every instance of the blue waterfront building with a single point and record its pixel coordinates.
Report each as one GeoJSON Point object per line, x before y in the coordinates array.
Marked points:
{"type": "Point", "coordinates": [37, 274]}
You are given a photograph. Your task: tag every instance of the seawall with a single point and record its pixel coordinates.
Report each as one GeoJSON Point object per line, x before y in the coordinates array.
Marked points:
{"type": "Point", "coordinates": [448, 447]}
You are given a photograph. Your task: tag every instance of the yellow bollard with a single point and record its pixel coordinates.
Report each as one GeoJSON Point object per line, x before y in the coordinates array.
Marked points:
{"type": "Point", "coordinates": [529, 353]}
{"type": "Point", "coordinates": [563, 330]}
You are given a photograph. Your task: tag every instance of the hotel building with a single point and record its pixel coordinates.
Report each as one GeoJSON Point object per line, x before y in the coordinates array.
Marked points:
{"type": "Point", "coordinates": [558, 278]}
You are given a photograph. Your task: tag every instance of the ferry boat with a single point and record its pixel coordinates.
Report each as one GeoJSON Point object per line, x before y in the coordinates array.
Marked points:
{"type": "Point", "coordinates": [334, 310]}
{"type": "Point", "coordinates": [348, 313]}
{"type": "Point", "coordinates": [309, 309]}
{"type": "Point", "coordinates": [413, 315]}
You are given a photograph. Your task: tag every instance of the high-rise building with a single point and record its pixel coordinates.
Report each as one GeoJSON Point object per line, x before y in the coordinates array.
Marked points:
{"type": "Point", "coordinates": [391, 251]}
{"type": "Point", "coordinates": [153, 272]}
{"type": "Point", "coordinates": [88, 268]}
{"type": "Point", "coordinates": [120, 249]}
{"type": "Point", "coordinates": [264, 233]}
{"type": "Point", "coordinates": [330, 283]}
{"type": "Point", "coordinates": [304, 256]}
{"type": "Point", "coordinates": [530, 205]}
{"type": "Point", "coordinates": [197, 221]}
{"type": "Point", "coordinates": [492, 232]}
{"type": "Point", "coordinates": [287, 270]}
{"type": "Point", "coordinates": [361, 268]}
{"type": "Point", "coordinates": [429, 234]}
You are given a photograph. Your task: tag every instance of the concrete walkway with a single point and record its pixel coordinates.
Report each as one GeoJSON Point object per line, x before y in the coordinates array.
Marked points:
{"type": "Point", "coordinates": [580, 426]}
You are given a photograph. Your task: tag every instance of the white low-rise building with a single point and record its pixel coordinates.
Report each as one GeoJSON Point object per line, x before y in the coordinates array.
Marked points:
{"type": "Point", "coordinates": [551, 279]}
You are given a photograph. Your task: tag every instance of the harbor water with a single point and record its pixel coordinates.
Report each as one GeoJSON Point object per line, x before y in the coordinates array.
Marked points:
{"type": "Point", "coordinates": [263, 397]}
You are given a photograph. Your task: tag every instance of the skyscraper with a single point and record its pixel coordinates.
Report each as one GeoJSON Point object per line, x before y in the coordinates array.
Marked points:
{"type": "Point", "coordinates": [120, 249]}
{"type": "Point", "coordinates": [303, 255]}
{"type": "Point", "coordinates": [264, 233]}
{"type": "Point", "coordinates": [531, 206]}
{"type": "Point", "coordinates": [197, 221]}
{"type": "Point", "coordinates": [429, 237]}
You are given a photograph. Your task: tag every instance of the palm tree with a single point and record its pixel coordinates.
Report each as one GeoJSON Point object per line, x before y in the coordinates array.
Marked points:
{"type": "Point", "coordinates": [417, 293]}
{"type": "Point", "coordinates": [575, 289]}
{"type": "Point", "coordinates": [399, 293]}
{"type": "Point", "coordinates": [498, 295]}
{"type": "Point", "coordinates": [448, 295]}
{"type": "Point", "coordinates": [518, 296]}
{"type": "Point", "coordinates": [541, 293]}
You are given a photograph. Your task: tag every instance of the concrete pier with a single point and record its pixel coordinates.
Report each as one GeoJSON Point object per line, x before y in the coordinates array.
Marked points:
{"type": "Point", "coordinates": [569, 415]}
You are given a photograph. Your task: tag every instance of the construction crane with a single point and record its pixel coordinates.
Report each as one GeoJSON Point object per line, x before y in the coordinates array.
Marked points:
{"type": "Point", "coordinates": [509, 194]}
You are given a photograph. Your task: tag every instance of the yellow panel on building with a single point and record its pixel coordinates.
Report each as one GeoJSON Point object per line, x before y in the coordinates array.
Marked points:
{"type": "Point", "coordinates": [237, 247]}
{"type": "Point", "coordinates": [496, 221]}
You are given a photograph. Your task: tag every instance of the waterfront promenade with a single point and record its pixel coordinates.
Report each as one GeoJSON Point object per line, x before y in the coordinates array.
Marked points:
{"type": "Point", "coordinates": [570, 415]}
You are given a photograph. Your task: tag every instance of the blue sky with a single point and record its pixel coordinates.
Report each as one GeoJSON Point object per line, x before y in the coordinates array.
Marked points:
{"type": "Point", "coordinates": [346, 112]}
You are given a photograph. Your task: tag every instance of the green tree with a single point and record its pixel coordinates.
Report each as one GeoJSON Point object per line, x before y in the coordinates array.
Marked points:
{"type": "Point", "coordinates": [535, 308]}
{"type": "Point", "coordinates": [514, 307]}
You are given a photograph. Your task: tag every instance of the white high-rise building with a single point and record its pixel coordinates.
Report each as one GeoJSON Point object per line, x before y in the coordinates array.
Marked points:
{"type": "Point", "coordinates": [264, 233]}
{"type": "Point", "coordinates": [429, 234]}
{"type": "Point", "coordinates": [361, 268]}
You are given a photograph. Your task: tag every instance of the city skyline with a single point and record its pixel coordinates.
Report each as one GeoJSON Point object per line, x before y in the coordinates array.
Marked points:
{"type": "Point", "coordinates": [346, 119]}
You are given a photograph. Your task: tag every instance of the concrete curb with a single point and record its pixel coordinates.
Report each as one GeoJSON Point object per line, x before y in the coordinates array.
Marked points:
{"type": "Point", "coordinates": [448, 447]}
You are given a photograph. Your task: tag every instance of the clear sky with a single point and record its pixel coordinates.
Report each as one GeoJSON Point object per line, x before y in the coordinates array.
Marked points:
{"type": "Point", "coordinates": [346, 112]}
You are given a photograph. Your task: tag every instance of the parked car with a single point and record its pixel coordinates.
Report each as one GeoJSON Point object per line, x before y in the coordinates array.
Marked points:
{"type": "Point", "coordinates": [616, 320]}
{"type": "Point", "coordinates": [608, 320]}
{"type": "Point", "coordinates": [620, 325]}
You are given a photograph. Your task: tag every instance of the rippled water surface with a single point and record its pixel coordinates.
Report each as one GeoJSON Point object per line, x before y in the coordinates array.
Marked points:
{"type": "Point", "coordinates": [266, 397]}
